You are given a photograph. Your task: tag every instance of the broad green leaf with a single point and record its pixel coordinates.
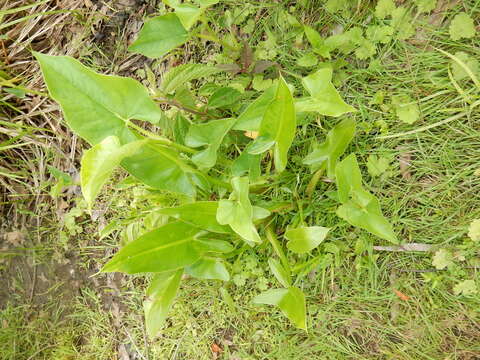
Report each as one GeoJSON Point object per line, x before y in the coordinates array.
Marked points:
{"type": "Point", "coordinates": [223, 97]}
{"type": "Point", "coordinates": [334, 146]}
{"type": "Point", "coordinates": [251, 118]}
{"type": "Point", "coordinates": [324, 98]}
{"type": "Point", "coordinates": [280, 273]}
{"type": "Point", "coordinates": [278, 125]}
{"type": "Point", "coordinates": [259, 213]}
{"type": "Point", "coordinates": [160, 296]}
{"type": "Point", "coordinates": [317, 42]}
{"type": "Point", "coordinates": [159, 35]}
{"type": "Point", "coordinates": [201, 214]}
{"type": "Point", "coordinates": [178, 76]}
{"type": "Point", "coordinates": [100, 161]}
{"type": "Point", "coordinates": [189, 13]}
{"type": "Point", "coordinates": [368, 217]}
{"type": "Point", "coordinates": [208, 268]}
{"type": "Point", "coordinates": [237, 211]}
{"type": "Point", "coordinates": [211, 135]}
{"type": "Point", "coordinates": [291, 302]}
{"type": "Point", "coordinates": [97, 106]}
{"type": "Point", "coordinates": [167, 248]}
{"type": "Point", "coordinates": [359, 207]}
{"type": "Point", "coordinates": [247, 163]}
{"type": "Point", "coordinates": [305, 239]}
{"type": "Point", "coordinates": [214, 245]}
{"type": "Point", "coordinates": [462, 27]}
{"type": "Point", "coordinates": [348, 177]}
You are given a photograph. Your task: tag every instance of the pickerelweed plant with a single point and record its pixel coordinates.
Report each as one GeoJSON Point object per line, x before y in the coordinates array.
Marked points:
{"type": "Point", "coordinates": [215, 216]}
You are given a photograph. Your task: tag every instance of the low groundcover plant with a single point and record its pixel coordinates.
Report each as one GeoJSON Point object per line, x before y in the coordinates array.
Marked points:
{"type": "Point", "coordinates": [212, 176]}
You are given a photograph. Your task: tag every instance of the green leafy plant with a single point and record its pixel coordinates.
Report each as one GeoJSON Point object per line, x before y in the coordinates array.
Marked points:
{"type": "Point", "coordinates": [212, 151]}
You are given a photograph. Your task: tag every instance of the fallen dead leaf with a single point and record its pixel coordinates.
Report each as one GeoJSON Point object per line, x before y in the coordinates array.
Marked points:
{"type": "Point", "coordinates": [16, 238]}
{"type": "Point", "coordinates": [216, 350]}
{"type": "Point", "coordinates": [405, 158]}
{"type": "Point", "coordinates": [401, 295]}
{"type": "Point", "coordinates": [405, 247]}
{"type": "Point", "coordinates": [251, 134]}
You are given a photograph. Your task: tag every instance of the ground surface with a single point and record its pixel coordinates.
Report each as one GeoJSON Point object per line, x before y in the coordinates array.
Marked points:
{"type": "Point", "coordinates": [364, 305]}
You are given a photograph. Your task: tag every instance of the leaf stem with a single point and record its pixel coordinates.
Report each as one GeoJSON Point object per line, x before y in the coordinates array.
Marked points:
{"type": "Point", "coordinates": [160, 139]}
{"type": "Point", "coordinates": [272, 238]}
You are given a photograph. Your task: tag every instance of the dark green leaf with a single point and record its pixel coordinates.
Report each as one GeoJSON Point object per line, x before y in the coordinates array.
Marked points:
{"type": "Point", "coordinates": [159, 35]}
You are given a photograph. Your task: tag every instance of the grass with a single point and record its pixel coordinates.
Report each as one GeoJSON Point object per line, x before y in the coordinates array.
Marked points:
{"type": "Point", "coordinates": [353, 310]}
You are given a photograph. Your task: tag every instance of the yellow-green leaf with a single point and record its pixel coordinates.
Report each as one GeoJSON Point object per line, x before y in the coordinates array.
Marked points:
{"type": "Point", "coordinates": [291, 302]}
{"type": "Point", "coordinates": [305, 239]}
{"type": "Point", "coordinates": [100, 161]}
